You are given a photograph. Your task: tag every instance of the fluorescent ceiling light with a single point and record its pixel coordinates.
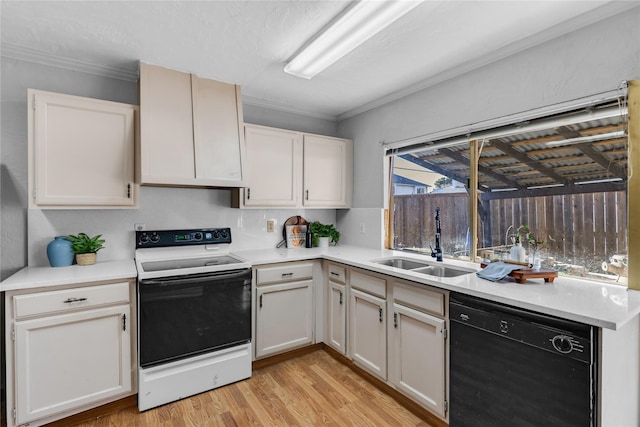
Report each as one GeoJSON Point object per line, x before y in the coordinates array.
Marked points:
{"type": "Point", "coordinates": [358, 24]}
{"type": "Point", "coordinates": [591, 138]}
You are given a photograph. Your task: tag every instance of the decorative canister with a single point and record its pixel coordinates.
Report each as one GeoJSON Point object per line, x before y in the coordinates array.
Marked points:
{"type": "Point", "coordinates": [59, 252]}
{"type": "Point", "coordinates": [517, 253]}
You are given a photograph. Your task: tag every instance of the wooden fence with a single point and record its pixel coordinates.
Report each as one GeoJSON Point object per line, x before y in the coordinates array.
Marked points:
{"type": "Point", "coordinates": [580, 229]}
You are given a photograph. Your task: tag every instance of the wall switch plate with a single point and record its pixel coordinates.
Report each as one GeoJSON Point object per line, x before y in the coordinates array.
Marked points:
{"type": "Point", "coordinates": [271, 225]}
{"type": "Point", "coordinates": [139, 227]}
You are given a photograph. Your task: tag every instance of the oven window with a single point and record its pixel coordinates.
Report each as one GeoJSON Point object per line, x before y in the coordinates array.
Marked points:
{"type": "Point", "coordinates": [185, 316]}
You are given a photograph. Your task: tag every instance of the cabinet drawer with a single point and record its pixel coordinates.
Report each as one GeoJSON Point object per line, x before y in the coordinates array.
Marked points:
{"type": "Point", "coordinates": [283, 273]}
{"type": "Point", "coordinates": [70, 299]}
{"type": "Point", "coordinates": [337, 273]}
{"type": "Point", "coordinates": [419, 297]}
{"type": "Point", "coordinates": [368, 283]}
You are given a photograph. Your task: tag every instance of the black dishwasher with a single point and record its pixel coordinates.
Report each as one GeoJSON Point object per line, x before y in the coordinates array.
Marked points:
{"type": "Point", "coordinates": [512, 367]}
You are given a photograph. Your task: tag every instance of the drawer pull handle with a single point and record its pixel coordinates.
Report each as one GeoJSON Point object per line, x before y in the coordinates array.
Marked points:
{"type": "Point", "coordinates": [287, 274]}
{"type": "Point", "coordinates": [70, 300]}
{"type": "Point", "coordinates": [333, 273]}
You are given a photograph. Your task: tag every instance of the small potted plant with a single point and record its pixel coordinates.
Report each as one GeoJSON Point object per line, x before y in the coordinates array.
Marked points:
{"type": "Point", "coordinates": [86, 247]}
{"type": "Point", "coordinates": [322, 234]}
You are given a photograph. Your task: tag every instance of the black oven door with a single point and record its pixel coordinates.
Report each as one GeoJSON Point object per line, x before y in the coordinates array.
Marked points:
{"type": "Point", "coordinates": [184, 316]}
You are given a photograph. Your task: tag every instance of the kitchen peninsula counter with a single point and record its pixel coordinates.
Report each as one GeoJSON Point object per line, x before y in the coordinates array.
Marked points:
{"type": "Point", "coordinates": [604, 305]}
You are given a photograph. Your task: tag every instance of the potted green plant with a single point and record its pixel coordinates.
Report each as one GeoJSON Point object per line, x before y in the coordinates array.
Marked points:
{"type": "Point", "coordinates": [86, 247]}
{"type": "Point", "coordinates": [326, 232]}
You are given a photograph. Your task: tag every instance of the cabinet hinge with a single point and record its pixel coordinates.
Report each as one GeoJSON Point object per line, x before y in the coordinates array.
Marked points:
{"type": "Point", "coordinates": [395, 320]}
{"type": "Point", "coordinates": [445, 334]}
{"type": "Point", "coordinates": [14, 413]}
{"type": "Point", "coordinates": [340, 297]}
{"type": "Point", "coordinates": [129, 191]}
{"type": "Point", "coordinates": [124, 322]}
{"type": "Point", "coordinates": [35, 197]}
{"type": "Point", "coordinates": [248, 193]}
{"type": "Point", "coordinates": [260, 301]}
{"type": "Point", "coordinates": [13, 333]}
{"type": "Point", "coordinates": [446, 406]}
{"type": "Point", "coordinates": [33, 102]}
{"type": "Point", "coordinates": [380, 314]}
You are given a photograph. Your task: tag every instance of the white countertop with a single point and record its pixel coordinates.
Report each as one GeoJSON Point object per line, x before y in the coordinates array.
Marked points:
{"type": "Point", "coordinates": [599, 304]}
{"type": "Point", "coordinates": [38, 277]}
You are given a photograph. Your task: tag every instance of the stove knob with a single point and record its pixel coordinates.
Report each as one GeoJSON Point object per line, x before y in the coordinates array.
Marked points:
{"type": "Point", "coordinates": [144, 238]}
{"type": "Point", "coordinates": [155, 238]}
{"type": "Point", "coordinates": [225, 234]}
{"type": "Point", "coordinates": [197, 236]}
{"type": "Point", "coordinates": [216, 234]}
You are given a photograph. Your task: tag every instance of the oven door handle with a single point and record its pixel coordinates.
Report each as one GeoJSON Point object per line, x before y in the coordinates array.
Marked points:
{"type": "Point", "coordinates": [192, 280]}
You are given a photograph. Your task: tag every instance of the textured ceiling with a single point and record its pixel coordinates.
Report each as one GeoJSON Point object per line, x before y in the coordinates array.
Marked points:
{"type": "Point", "coordinates": [248, 42]}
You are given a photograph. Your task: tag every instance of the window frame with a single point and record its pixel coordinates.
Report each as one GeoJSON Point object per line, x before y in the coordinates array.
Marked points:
{"type": "Point", "coordinates": [474, 134]}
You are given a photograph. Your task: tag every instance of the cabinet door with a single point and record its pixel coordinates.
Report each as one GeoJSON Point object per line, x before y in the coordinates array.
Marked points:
{"type": "Point", "coordinates": [368, 332]}
{"type": "Point", "coordinates": [336, 316]}
{"type": "Point", "coordinates": [274, 161]}
{"type": "Point", "coordinates": [284, 317]}
{"type": "Point", "coordinates": [66, 361]}
{"type": "Point", "coordinates": [166, 127]}
{"type": "Point", "coordinates": [218, 132]}
{"type": "Point", "coordinates": [418, 358]}
{"type": "Point", "coordinates": [82, 151]}
{"type": "Point", "coordinates": [327, 171]}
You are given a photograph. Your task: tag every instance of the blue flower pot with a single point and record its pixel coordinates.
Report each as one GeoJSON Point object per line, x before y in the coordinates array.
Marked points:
{"type": "Point", "coordinates": [60, 252]}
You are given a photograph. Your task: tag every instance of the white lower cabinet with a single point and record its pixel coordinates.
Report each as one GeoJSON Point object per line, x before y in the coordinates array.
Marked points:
{"type": "Point", "coordinates": [418, 351]}
{"type": "Point", "coordinates": [71, 351]}
{"type": "Point", "coordinates": [336, 313]}
{"type": "Point", "coordinates": [367, 323]}
{"type": "Point", "coordinates": [284, 308]}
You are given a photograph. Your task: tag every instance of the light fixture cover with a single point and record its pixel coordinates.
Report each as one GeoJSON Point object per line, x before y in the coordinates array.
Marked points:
{"type": "Point", "coordinates": [359, 23]}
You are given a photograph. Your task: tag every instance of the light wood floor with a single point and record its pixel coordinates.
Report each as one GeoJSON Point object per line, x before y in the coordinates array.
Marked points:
{"type": "Point", "coordinates": [310, 390]}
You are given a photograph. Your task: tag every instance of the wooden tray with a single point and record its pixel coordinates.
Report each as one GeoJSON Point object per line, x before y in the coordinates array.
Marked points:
{"type": "Point", "coordinates": [522, 275]}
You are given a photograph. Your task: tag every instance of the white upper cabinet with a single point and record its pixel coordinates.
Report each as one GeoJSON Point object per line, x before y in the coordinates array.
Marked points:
{"type": "Point", "coordinates": [274, 160]}
{"type": "Point", "coordinates": [81, 152]}
{"type": "Point", "coordinates": [190, 130]}
{"type": "Point", "coordinates": [327, 171]}
{"type": "Point", "coordinates": [296, 170]}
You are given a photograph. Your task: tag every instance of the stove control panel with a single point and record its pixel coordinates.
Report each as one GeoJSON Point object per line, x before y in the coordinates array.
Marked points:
{"type": "Point", "coordinates": [198, 236]}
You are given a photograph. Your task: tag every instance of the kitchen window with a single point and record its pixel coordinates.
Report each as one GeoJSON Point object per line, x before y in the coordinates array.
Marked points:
{"type": "Point", "coordinates": [555, 178]}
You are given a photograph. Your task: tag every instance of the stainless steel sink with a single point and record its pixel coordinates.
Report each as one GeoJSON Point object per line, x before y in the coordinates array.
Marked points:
{"type": "Point", "coordinates": [440, 271]}
{"type": "Point", "coordinates": [422, 267]}
{"type": "Point", "coordinates": [404, 263]}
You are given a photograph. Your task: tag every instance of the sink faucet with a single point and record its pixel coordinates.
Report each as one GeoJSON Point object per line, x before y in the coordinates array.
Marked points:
{"type": "Point", "coordinates": [437, 252]}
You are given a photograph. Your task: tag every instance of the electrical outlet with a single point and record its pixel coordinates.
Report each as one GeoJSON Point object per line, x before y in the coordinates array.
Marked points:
{"type": "Point", "coordinates": [139, 227]}
{"type": "Point", "coordinates": [271, 225]}
{"type": "Point", "coordinates": [362, 227]}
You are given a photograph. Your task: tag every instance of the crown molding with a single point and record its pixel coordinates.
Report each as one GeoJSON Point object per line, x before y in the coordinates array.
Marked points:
{"type": "Point", "coordinates": [262, 103]}
{"type": "Point", "coordinates": [8, 50]}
